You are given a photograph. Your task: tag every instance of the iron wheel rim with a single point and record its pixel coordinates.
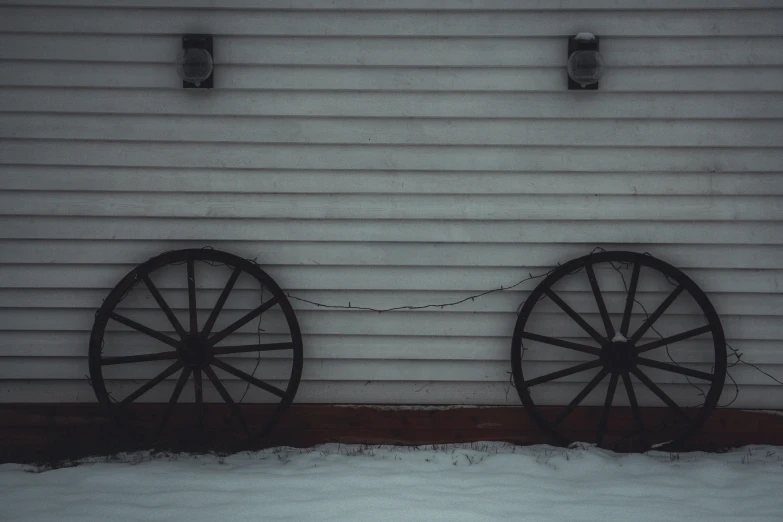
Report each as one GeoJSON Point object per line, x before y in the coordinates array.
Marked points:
{"type": "Point", "coordinates": [618, 377]}
{"type": "Point", "coordinates": [190, 335]}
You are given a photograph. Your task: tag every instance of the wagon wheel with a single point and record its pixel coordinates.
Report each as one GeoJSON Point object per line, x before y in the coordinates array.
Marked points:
{"type": "Point", "coordinates": [137, 337]}
{"type": "Point", "coordinates": [626, 349]}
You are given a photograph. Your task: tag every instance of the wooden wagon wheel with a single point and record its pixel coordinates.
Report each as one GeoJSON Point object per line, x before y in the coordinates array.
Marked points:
{"type": "Point", "coordinates": [197, 346]}
{"type": "Point", "coordinates": [613, 348]}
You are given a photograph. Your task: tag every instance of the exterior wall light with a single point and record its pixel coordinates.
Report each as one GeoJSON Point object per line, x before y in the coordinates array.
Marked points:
{"type": "Point", "coordinates": [194, 62]}
{"type": "Point", "coordinates": [585, 64]}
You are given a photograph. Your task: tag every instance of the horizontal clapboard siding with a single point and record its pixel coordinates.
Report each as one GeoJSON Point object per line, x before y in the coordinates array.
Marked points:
{"type": "Point", "coordinates": [381, 154]}
{"type": "Point", "coordinates": [582, 302]}
{"type": "Point", "coordinates": [409, 5]}
{"type": "Point", "coordinates": [462, 252]}
{"type": "Point", "coordinates": [737, 22]}
{"type": "Point", "coordinates": [438, 323]}
{"type": "Point", "coordinates": [373, 392]}
{"type": "Point", "coordinates": [390, 78]}
{"type": "Point", "coordinates": [396, 131]}
{"type": "Point", "coordinates": [379, 157]}
{"type": "Point", "coordinates": [371, 52]}
{"type": "Point", "coordinates": [402, 207]}
{"type": "Point", "coordinates": [560, 105]}
{"type": "Point", "coordinates": [352, 277]}
{"type": "Point", "coordinates": [272, 181]}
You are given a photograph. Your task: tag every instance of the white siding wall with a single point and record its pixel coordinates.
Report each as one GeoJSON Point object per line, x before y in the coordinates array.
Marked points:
{"type": "Point", "coordinates": [388, 153]}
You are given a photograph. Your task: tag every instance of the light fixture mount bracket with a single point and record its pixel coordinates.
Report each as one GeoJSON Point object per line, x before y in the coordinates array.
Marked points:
{"type": "Point", "coordinates": [195, 62]}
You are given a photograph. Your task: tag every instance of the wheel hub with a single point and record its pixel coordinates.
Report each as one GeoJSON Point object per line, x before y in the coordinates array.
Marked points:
{"type": "Point", "coordinates": [619, 356]}
{"type": "Point", "coordinates": [195, 352]}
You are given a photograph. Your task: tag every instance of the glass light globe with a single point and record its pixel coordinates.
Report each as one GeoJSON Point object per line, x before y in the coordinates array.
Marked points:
{"type": "Point", "coordinates": [585, 67]}
{"type": "Point", "coordinates": [194, 65]}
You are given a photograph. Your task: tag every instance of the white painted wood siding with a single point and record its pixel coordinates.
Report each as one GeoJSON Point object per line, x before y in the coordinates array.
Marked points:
{"type": "Point", "coordinates": [387, 153]}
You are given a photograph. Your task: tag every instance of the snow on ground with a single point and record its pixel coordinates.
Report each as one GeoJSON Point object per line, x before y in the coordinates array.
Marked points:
{"type": "Point", "coordinates": [477, 482]}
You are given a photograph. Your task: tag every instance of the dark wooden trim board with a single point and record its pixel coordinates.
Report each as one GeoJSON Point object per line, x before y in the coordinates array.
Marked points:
{"type": "Point", "coordinates": [50, 432]}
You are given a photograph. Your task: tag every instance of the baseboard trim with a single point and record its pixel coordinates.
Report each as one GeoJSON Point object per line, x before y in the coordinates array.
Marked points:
{"type": "Point", "coordinates": [46, 432]}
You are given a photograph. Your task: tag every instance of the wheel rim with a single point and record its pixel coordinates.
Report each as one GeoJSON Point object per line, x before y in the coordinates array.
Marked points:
{"type": "Point", "coordinates": [621, 353]}
{"type": "Point", "coordinates": [192, 347]}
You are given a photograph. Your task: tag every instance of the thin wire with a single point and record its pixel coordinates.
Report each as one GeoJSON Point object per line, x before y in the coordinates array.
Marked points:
{"type": "Point", "coordinates": [739, 360]}
{"type": "Point", "coordinates": [529, 277]}
{"type": "Point", "coordinates": [349, 306]}
{"type": "Point", "coordinates": [734, 353]}
{"type": "Point", "coordinates": [668, 354]}
{"type": "Point", "coordinates": [626, 264]}
{"type": "Point", "coordinates": [668, 413]}
{"type": "Point", "coordinates": [258, 354]}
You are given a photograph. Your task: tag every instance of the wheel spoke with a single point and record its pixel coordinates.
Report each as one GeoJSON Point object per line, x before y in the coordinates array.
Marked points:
{"type": "Point", "coordinates": [244, 348]}
{"type": "Point", "coordinates": [151, 384]}
{"type": "Point", "coordinates": [563, 373]}
{"type": "Point", "coordinates": [660, 393]}
{"type": "Point", "coordinates": [629, 300]}
{"type": "Point", "coordinates": [164, 306]}
{"type": "Point", "coordinates": [674, 338]}
{"type": "Point", "coordinates": [220, 302]}
{"type": "Point", "coordinates": [183, 379]}
{"type": "Point", "coordinates": [675, 369]}
{"type": "Point", "coordinates": [607, 408]}
{"type": "Point", "coordinates": [192, 296]}
{"type": "Point", "coordinates": [242, 322]}
{"type": "Point", "coordinates": [144, 329]}
{"type": "Point", "coordinates": [199, 391]}
{"type": "Point", "coordinates": [599, 300]}
{"type": "Point", "coordinates": [656, 314]}
{"type": "Point", "coordinates": [125, 359]}
{"type": "Point", "coordinates": [226, 397]}
{"type": "Point", "coordinates": [579, 398]}
{"type": "Point", "coordinates": [563, 344]}
{"type": "Point", "coordinates": [576, 317]}
{"type": "Point", "coordinates": [637, 413]}
{"type": "Point", "coordinates": [248, 378]}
